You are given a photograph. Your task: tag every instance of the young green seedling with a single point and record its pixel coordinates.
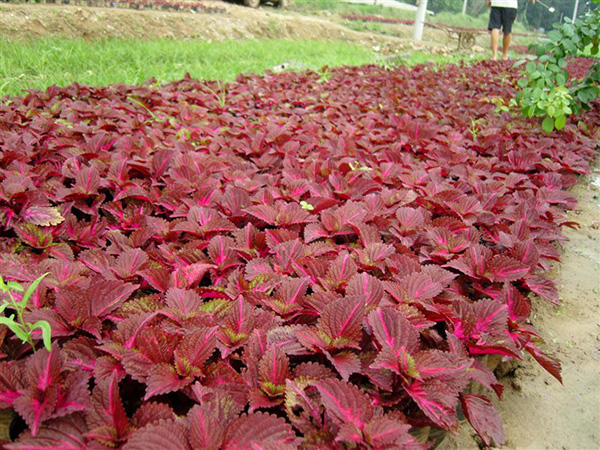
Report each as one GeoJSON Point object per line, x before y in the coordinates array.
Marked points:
{"type": "Point", "coordinates": [22, 329]}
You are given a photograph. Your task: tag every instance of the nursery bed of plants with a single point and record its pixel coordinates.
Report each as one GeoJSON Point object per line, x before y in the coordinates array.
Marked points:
{"type": "Point", "coordinates": [295, 260]}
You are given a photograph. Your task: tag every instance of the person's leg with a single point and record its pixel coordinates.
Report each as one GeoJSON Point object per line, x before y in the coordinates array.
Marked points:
{"type": "Point", "coordinates": [494, 26]}
{"type": "Point", "coordinates": [508, 18]}
{"type": "Point", "coordinates": [505, 44]}
{"type": "Point", "coordinates": [495, 39]}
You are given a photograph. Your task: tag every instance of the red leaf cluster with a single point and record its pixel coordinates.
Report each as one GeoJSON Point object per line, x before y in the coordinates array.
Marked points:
{"type": "Point", "coordinates": [287, 261]}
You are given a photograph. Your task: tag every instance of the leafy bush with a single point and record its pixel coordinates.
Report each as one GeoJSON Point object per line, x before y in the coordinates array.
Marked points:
{"type": "Point", "coordinates": [300, 260]}
{"type": "Point", "coordinates": [547, 91]}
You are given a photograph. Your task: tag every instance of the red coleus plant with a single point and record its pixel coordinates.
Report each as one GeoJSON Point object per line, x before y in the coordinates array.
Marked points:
{"type": "Point", "coordinates": [308, 264]}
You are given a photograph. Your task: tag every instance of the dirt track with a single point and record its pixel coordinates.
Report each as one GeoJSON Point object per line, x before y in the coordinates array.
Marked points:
{"type": "Point", "coordinates": [22, 21]}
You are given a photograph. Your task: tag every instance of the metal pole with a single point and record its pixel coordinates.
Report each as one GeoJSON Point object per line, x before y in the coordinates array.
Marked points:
{"type": "Point", "coordinates": [420, 21]}
{"type": "Point", "coordinates": [575, 10]}
{"type": "Point", "coordinates": [464, 11]}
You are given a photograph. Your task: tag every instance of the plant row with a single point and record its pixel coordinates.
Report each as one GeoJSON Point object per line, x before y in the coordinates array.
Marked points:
{"type": "Point", "coordinates": [294, 260]}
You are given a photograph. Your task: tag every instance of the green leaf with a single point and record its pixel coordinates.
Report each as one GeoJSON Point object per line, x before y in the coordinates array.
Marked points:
{"type": "Point", "coordinates": [548, 124]}
{"type": "Point", "coordinates": [30, 290]}
{"type": "Point", "coordinates": [14, 286]}
{"type": "Point", "coordinates": [530, 67]}
{"type": "Point", "coordinates": [562, 63]}
{"type": "Point", "coordinates": [46, 333]}
{"type": "Point", "coordinates": [15, 327]}
{"type": "Point", "coordinates": [554, 36]}
{"type": "Point", "coordinates": [307, 206]}
{"type": "Point", "coordinates": [559, 122]}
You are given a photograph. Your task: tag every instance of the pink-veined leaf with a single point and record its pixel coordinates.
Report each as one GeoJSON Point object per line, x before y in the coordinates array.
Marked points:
{"type": "Point", "coordinates": [107, 420]}
{"type": "Point", "coordinates": [393, 330]}
{"type": "Point", "coordinates": [504, 268]}
{"type": "Point", "coordinates": [366, 287]}
{"type": "Point", "coordinates": [484, 419]}
{"type": "Point", "coordinates": [164, 434]}
{"type": "Point", "coordinates": [341, 321]}
{"type": "Point", "coordinates": [273, 370]}
{"type": "Point", "coordinates": [42, 215]}
{"type": "Point", "coordinates": [206, 432]}
{"type": "Point", "coordinates": [65, 433]}
{"type": "Point", "coordinates": [345, 402]}
{"type": "Point", "coordinates": [193, 351]}
{"type": "Point", "coordinates": [259, 430]}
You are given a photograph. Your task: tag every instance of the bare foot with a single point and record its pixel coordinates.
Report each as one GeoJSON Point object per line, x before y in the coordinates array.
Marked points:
{"type": "Point", "coordinates": [504, 57]}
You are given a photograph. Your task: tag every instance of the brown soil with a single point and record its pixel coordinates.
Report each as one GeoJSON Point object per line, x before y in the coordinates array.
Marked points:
{"type": "Point", "coordinates": [538, 412]}
{"type": "Point", "coordinates": [21, 21]}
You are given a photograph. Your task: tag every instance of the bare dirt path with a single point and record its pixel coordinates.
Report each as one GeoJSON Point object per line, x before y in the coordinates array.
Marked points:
{"type": "Point", "coordinates": [22, 21]}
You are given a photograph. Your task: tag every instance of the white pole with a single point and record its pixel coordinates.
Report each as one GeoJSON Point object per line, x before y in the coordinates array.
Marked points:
{"type": "Point", "coordinates": [464, 11]}
{"type": "Point", "coordinates": [575, 10]}
{"type": "Point", "coordinates": [420, 21]}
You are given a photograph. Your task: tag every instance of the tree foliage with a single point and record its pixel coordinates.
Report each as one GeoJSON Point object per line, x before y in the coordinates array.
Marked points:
{"type": "Point", "coordinates": [546, 89]}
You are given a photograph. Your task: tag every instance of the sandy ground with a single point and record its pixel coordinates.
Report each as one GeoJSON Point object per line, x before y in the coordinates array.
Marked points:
{"type": "Point", "coordinates": [22, 21]}
{"type": "Point", "coordinates": [538, 412]}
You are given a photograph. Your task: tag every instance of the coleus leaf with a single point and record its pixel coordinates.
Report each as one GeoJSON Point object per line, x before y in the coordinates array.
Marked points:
{"type": "Point", "coordinates": [42, 215]}
{"type": "Point", "coordinates": [345, 402]}
{"type": "Point", "coordinates": [193, 351]}
{"type": "Point", "coordinates": [387, 432]}
{"type": "Point", "coordinates": [484, 419]}
{"type": "Point", "coordinates": [259, 430]}
{"type": "Point", "coordinates": [551, 364]}
{"type": "Point", "coordinates": [341, 321]}
{"type": "Point", "coordinates": [392, 330]}
{"type": "Point", "coordinates": [66, 433]}
{"type": "Point", "coordinates": [340, 272]}
{"type": "Point", "coordinates": [273, 370]}
{"type": "Point", "coordinates": [162, 379]}
{"type": "Point", "coordinates": [436, 400]}
{"type": "Point", "coordinates": [11, 382]}
{"type": "Point", "coordinates": [237, 326]}
{"type": "Point", "coordinates": [543, 287]}
{"type": "Point", "coordinates": [106, 295]}
{"type": "Point", "coordinates": [346, 362]}
{"type": "Point", "coordinates": [33, 235]}
{"type": "Point", "coordinates": [289, 296]}
{"type": "Point", "coordinates": [39, 399]}
{"type": "Point", "coordinates": [107, 421]}
{"type": "Point", "coordinates": [206, 431]}
{"type": "Point", "coordinates": [367, 287]}
{"type": "Point", "coordinates": [151, 412]}
{"type": "Point", "coordinates": [160, 435]}
{"type": "Point", "coordinates": [504, 268]}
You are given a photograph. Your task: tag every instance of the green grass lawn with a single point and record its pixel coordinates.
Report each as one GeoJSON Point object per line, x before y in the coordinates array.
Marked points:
{"type": "Point", "coordinates": [37, 64]}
